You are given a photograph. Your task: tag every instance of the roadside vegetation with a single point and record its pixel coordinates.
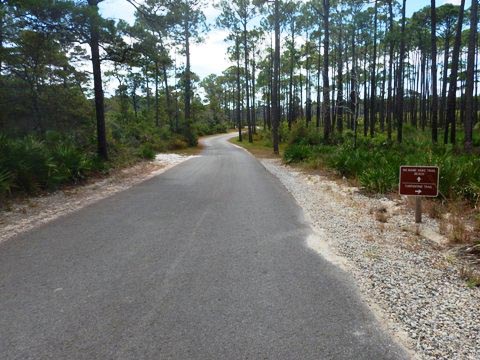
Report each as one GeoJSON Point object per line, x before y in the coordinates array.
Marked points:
{"type": "Point", "coordinates": [373, 166]}
{"type": "Point", "coordinates": [374, 163]}
{"type": "Point", "coordinates": [59, 125]}
{"type": "Point", "coordinates": [33, 163]}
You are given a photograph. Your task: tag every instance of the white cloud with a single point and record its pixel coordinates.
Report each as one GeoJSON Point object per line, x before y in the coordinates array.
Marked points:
{"type": "Point", "coordinates": [118, 9]}
{"type": "Point", "coordinates": [209, 57]}
{"type": "Point", "coordinates": [211, 12]}
{"type": "Point", "coordinates": [456, 2]}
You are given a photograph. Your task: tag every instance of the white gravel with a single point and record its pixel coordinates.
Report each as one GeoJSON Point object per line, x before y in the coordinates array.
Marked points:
{"type": "Point", "coordinates": [412, 280]}
{"type": "Point", "coordinates": [172, 159]}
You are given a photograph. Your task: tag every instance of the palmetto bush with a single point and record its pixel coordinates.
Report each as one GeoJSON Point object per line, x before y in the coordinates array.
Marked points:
{"type": "Point", "coordinates": [30, 165]}
{"type": "Point", "coordinates": [5, 183]}
{"type": "Point", "coordinates": [297, 152]}
{"type": "Point", "coordinates": [375, 162]}
{"type": "Point", "coordinates": [29, 162]}
{"type": "Point", "coordinates": [71, 164]}
{"type": "Point", "coordinates": [379, 179]}
{"type": "Point", "coordinates": [146, 152]}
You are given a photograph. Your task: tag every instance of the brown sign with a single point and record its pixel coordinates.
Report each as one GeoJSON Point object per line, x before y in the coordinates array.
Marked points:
{"type": "Point", "coordinates": [419, 180]}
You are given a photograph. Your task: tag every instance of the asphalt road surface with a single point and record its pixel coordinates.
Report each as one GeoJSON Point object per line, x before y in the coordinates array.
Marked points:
{"type": "Point", "coordinates": [206, 261]}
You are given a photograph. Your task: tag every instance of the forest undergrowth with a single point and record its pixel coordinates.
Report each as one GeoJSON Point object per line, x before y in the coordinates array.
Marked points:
{"type": "Point", "coordinates": [32, 164]}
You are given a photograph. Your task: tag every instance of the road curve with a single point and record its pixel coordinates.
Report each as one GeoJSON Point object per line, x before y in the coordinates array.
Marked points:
{"type": "Point", "coordinates": [206, 261]}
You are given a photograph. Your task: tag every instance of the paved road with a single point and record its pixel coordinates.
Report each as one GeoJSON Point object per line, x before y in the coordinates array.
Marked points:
{"type": "Point", "coordinates": [206, 261]}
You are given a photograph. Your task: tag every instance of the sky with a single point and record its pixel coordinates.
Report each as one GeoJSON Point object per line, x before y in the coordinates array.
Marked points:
{"type": "Point", "coordinates": [209, 57]}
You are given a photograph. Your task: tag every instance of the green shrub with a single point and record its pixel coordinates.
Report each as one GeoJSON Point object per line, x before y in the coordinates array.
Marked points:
{"type": "Point", "coordinates": [190, 136]}
{"type": "Point", "coordinates": [98, 165]}
{"type": "Point", "coordinates": [375, 162]}
{"type": "Point", "coordinates": [283, 132]}
{"type": "Point", "coordinates": [379, 179]}
{"type": "Point", "coordinates": [348, 161]}
{"type": "Point", "coordinates": [72, 164]}
{"type": "Point", "coordinates": [177, 143]}
{"type": "Point", "coordinates": [30, 162]}
{"type": "Point", "coordinates": [301, 134]}
{"type": "Point", "coordinates": [221, 128]}
{"type": "Point", "coordinates": [6, 182]}
{"type": "Point", "coordinates": [203, 129]}
{"type": "Point", "coordinates": [35, 165]}
{"type": "Point", "coordinates": [209, 128]}
{"type": "Point", "coordinates": [297, 153]}
{"type": "Point", "coordinates": [147, 152]}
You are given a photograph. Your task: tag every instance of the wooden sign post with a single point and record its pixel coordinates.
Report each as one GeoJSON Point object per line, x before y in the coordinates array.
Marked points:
{"type": "Point", "coordinates": [419, 181]}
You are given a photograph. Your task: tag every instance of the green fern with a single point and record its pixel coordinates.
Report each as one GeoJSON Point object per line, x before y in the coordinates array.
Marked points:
{"type": "Point", "coordinates": [6, 182]}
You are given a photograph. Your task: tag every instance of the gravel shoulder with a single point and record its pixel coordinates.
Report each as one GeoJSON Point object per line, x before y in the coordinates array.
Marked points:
{"type": "Point", "coordinates": [26, 214]}
{"type": "Point", "coordinates": [406, 276]}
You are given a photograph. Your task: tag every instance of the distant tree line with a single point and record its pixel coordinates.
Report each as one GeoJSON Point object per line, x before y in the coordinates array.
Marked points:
{"type": "Point", "coordinates": [357, 65]}
{"type": "Point", "coordinates": [57, 56]}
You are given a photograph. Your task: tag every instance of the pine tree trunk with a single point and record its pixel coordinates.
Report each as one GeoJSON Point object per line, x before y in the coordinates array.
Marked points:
{"type": "Point", "coordinates": [382, 96]}
{"type": "Point", "coordinates": [157, 110]}
{"type": "Point", "coordinates": [276, 73]}
{"type": "Point", "coordinates": [326, 65]}
{"type": "Point", "coordinates": [308, 105]}
{"type": "Point", "coordinates": [290, 80]}
{"type": "Point", "coordinates": [247, 86]}
{"type": "Point", "coordinates": [270, 90]}
{"type": "Point", "coordinates": [443, 103]}
{"type": "Point", "coordinates": [340, 104]}
{"type": "Point", "coordinates": [469, 106]}
{"type": "Point", "coordinates": [97, 81]}
{"type": "Point", "coordinates": [239, 115]}
{"type": "Point", "coordinates": [365, 94]}
{"type": "Point", "coordinates": [400, 77]}
{"type": "Point", "coordinates": [353, 93]}
{"type": "Point", "coordinates": [434, 73]}
{"type": "Point", "coordinates": [390, 106]}
{"type": "Point", "coordinates": [188, 81]}
{"type": "Point", "coordinates": [319, 67]}
{"type": "Point", "coordinates": [167, 95]}
{"type": "Point", "coordinates": [423, 111]}
{"type": "Point", "coordinates": [452, 90]}
{"type": "Point", "coordinates": [373, 86]}
{"type": "Point", "coordinates": [254, 113]}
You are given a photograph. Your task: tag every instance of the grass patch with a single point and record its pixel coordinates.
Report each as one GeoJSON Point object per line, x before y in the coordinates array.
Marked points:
{"type": "Point", "coordinates": [471, 276]}
{"type": "Point", "coordinates": [381, 214]}
{"type": "Point", "coordinates": [261, 146]}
